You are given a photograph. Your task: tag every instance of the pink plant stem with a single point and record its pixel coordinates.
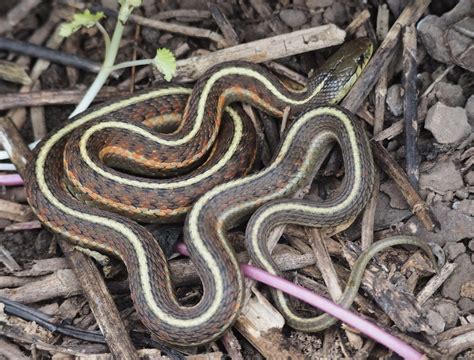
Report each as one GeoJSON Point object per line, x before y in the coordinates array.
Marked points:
{"type": "Point", "coordinates": [364, 326]}
{"type": "Point", "coordinates": [11, 180]}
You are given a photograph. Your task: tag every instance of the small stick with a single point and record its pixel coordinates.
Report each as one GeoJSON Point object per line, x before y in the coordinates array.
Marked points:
{"type": "Point", "coordinates": [37, 117]}
{"type": "Point", "coordinates": [437, 80]}
{"type": "Point", "coordinates": [286, 71]}
{"type": "Point", "coordinates": [18, 13]}
{"type": "Point", "coordinates": [328, 272]}
{"type": "Point", "coordinates": [53, 55]}
{"type": "Point", "coordinates": [410, 100]}
{"type": "Point", "coordinates": [224, 25]}
{"type": "Point", "coordinates": [169, 27]}
{"type": "Point", "coordinates": [263, 50]}
{"type": "Point", "coordinates": [53, 97]}
{"type": "Point", "coordinates": [266, 12]}
{"type": "Point", "coordinates": [383, 55]}
{"type": "Point", "coordinates": [7, 259]}
{"type": "Point", "coordinates": [324, 263]}
{"type": "Point", "coordinates": [101, 303]}
{"type": "Point", "coordinates": [93, 285]}
{"type": "Point", "coordinates": [391, 167]}
{"type": "Point", "coordinates": [368, 219]}
{"type": "Point", "coordinates": [435, 282]}
{"type": "Point", "coordinates": [360, 19]}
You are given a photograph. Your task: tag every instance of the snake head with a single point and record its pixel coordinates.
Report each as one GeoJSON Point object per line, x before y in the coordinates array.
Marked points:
{"type": "Point", "coordinates": [343, 68]}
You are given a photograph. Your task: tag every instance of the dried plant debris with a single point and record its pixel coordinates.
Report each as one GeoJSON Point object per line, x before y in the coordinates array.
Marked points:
{"type": "Point", "coordinates": [46, 312]}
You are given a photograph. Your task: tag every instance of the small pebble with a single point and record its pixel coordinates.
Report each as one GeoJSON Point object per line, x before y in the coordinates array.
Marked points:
{"type": "Point", "coordinates": [463, 273]}
{"type": "Point", "coordinates": [394, 100]}
{"type": "Point", "coordinates": [431, 29]}
{"type": "Point", "coordinates": [392, 145]}
{"type": "Point", "coordinates": [447, 124]}
{"type": "Point", "coordinates": [435, 321]}
{"type": "Point", "coordinates": [449, 94]}
{"type": "Point", "coordinates": [443, 177]}
{"type": "Point", "coordinates": [448, 197]}
{"type": "Point", "coordinates": [449, 311]}
{"type": "Point", "coordinates": [466, 305]}
{"type": "Point", "coordinates": [315, 4]}
{"type": "Point", "coordinates": [293, 17]}
{"type": "Point", "coordinates": [465, 206]}
{"type": "Point", "coordinates": [317, 19]}
{"type": "Point", "coordinates": [469, 178]}
{"type": "Point", "coordinates": [471, 245]}
{"type": "Point", "coordinates": [336, 14]}
{"type": "Point", "coordinates": [453, 250]}
{"type": "Point", "coordinates": [462, 194]}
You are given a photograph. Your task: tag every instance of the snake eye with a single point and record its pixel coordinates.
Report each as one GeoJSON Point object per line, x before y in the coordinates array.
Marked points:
{"type": "Point", "coordinates": [361, 59]}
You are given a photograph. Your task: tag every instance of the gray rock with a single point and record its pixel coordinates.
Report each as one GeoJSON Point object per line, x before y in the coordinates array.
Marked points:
{"type": "Point", "coordinates": [462, 274]}
{"type": "Point", "coordinates": [293, 17]}
{"type": "Point", "coordinates": [336, 14]}
{"type": "Point", "coordinates": [462, 194]}
{"type": "Point", "coordinates": [431, 30]}
{"type": "Point", "coordinates": [447, 124]}
{"type": "Point", "coordinates": [443, 177]}
{"type": "Point", "coordinates": [385, 216]}
{"type": "Point", "coordinates": [453, 250]}
{"type": "Point", "coordinates": [465, 206]}
{"type": "Point", "coordinates": [457, 13]}
{"type": "Point", "coordinates": [394, 99]}
{"type": "Point", "coordinates": [316, 4]}
{"type": "Point", "coordinates": [435, 322]}
{"type": "Point", "coordinates": [469, 177]}
{"type": "Point", "coordinates": [449, 311]}
{"type": "Point", "coordinates": [459, 41]}
{"type": "Point", "coordinates": [397, 200]}
{"type": "Point", "coordinates": [466, 305]}
{"type": "Point", "coordinates": [470, 110]}
{"type": "Point", "coordinates": [449, 94]}
{"type": "Point", "coordinates": [455, 226]}
{"type": "Point", "coordinates": [317, 19]}
{"type": "Point", "coordinates": [471, 245]}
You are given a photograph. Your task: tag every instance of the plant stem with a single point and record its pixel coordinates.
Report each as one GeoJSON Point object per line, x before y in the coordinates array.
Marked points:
{"type": "Point", "coordinates": [131, 63]}
{"type": "Point", "coordinates": [104, 72]}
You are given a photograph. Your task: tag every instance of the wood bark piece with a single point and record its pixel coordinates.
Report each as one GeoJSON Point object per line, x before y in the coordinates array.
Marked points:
{"type": "Point", "coordinates": [410, 100]}
{"type": "Point", "coordinates": [263, 50]}
{"type": "Point", "coordinates": [14, 73]}
{"type": "Point", "coordinates": [11, 351]}
{"type": "Point", "coordinates": [93, 285]}
{"type": "Point", "coordinates": [15, 212]}
{"type": "Point", "coordinates": [63, 283]}
{"type": "Point", "coordinates": [12, 142]}
{"type": "Point", "coordinates": [259, 323]}
{"type": "Point", "coordinates": [7, 259]}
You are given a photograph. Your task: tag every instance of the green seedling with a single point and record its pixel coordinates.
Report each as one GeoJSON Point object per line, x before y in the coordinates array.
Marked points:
{"type": "Point", "coordinates": [164, 60]}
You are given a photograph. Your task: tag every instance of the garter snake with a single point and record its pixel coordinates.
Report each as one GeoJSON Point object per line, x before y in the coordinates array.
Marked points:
{"type": "Point", "coordinates": [113, 161]}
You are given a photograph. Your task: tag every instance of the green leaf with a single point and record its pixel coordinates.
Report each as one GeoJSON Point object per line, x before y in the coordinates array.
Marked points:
{"type": "Point", "coordinates": [86, 19]}
{"type": "Point", "coordinates": [165, 62]}
{"type": "Point", "coordinates": [126, 8]}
